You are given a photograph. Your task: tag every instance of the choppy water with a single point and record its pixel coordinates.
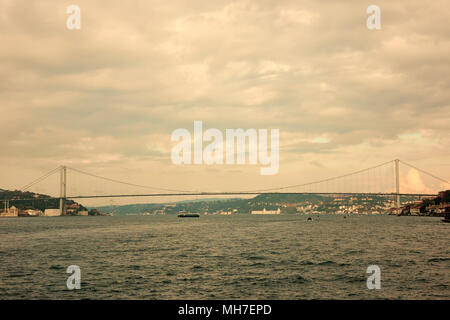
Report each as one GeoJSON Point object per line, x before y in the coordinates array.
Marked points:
{"type": "Point", "coordinates": [224, 257]}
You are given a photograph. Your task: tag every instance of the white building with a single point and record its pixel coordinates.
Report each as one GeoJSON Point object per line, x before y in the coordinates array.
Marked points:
{"type": "Point", "coordinates": [10, 212]}
{"type": "Point", "coordinates": [52, 212]}
{"type": "Point", "coordinates": [266, 211]}
{"type": "Point", "coordinates": [33, 213]}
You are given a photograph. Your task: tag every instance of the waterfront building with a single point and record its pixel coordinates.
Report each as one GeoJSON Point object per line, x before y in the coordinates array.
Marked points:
{"type": "Point", "coordinates": [266, 211]}
{"type": "Point", "coordinates": [33, 213]}
{"type": "Point", "coordinates": [10, 212]}
{"type": "Point", "coordinates": [52, 212]}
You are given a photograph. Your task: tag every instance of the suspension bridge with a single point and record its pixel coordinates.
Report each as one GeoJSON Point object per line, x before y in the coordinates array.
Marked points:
{"type": "Point", "coordinates": [379, 180]}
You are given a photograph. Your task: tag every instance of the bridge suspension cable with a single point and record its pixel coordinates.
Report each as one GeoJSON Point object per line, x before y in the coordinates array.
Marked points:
{"type": "Point", "coordinates": [124, 182]}
{"type": "Point", "coordinates": [323, 180]}
{"type": "Point", "coordinates": [40, 179]}
{"type": "Point", "coordinates": [425, 172]}
{"type": "Point", "coordinates": [366, 182]}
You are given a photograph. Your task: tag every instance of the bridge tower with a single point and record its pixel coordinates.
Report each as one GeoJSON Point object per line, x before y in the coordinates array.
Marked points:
{"type": "Point", "coordinates": [397, 184]}
{"type": "Point", "coordinates": [63, 189]}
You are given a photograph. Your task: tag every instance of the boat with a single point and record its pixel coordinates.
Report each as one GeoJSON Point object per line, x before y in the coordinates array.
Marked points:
{"type": "Point", "coordinates": [184, 214]}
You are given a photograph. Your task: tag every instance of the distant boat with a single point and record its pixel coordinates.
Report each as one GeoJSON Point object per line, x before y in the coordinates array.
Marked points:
{"type": "Point", "coordinates": [309, 219]}
{"type": "Point", "coordinates": [184, 214]}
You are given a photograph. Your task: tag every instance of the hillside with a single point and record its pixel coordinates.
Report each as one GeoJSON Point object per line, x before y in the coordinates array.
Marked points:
{"type": "Point", "coordinates": [24, 200]}
{"type": "Point", "coordinates": [288, 203]}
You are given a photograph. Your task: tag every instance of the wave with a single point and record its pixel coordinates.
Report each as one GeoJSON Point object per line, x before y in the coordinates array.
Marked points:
{"type": "Point", "coordinates": [438, 259]}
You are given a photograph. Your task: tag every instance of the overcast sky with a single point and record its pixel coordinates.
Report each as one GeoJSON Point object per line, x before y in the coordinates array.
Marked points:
{"type": "Point", "coordinates": [106, 98]}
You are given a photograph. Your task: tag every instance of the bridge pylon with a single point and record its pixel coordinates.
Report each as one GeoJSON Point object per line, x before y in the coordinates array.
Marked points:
{"type": "Point", "coordinates": [63, 190]}
{"type": "Point", "coordinates": [397, 184]}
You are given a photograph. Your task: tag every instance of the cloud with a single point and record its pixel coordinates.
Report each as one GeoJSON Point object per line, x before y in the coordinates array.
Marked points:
{"type": "Point", "coordinates": [110, 94]}
{"type": "Point", "coordinates": [413, 183]}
